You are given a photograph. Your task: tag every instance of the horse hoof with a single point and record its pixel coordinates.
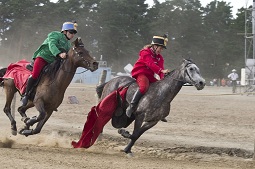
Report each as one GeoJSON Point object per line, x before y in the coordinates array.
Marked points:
{"type": "Point", "coordinates": [26, 132]}
{"type": "Point", "coordinates": [130, 155]}
{"type": "Point", "coordinates": [20, 131]}
{"type": "Point", "coordinates": [14, 132]}
{"type": "Point", "coordinates": [124, 133]}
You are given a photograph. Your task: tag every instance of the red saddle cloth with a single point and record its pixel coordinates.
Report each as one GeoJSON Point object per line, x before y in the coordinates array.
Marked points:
{"type": "Point", "coordinates": [97, 118]}
{"type": "Point", "coordinates": [19, 73]}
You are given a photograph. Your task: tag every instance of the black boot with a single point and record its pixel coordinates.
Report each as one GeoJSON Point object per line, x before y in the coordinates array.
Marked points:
{"type": "Point", "coordinates": [30, 85]}
{"type": "Point", "coordinates": [134, 102]}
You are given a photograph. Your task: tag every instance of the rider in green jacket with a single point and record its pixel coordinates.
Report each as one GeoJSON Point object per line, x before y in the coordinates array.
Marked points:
{"type": "Point", "coordinates": [56, 44]}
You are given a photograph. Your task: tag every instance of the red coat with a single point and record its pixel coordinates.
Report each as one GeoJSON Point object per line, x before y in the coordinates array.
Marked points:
{"type": "Point", "coordinates": [148, 64]}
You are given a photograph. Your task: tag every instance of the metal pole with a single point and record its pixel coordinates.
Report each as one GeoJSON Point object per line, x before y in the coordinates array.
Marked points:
{"type": "Point", "coordinates": [253, 27]}
{"type": "Point", "coordinates": [245, 37]}
{"type": "Point", "coordinates": [253, 39]}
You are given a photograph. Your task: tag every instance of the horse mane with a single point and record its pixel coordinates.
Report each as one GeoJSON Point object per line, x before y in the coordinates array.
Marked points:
{"type": "Point", "coordinates": [172, 72]}
{"type": "Point", "coordinates": [2, 73]}
{"type": "Point", "coordinates": [53, 68]}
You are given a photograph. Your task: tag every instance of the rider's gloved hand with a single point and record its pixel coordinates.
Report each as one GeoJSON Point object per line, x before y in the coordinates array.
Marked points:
{"type": "Point", "coordinates": [62, 55]}
{"type": "Point", "coordinates": [165, 71]}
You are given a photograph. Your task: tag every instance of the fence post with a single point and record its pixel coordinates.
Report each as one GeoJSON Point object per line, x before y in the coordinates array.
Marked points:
{"type": "Point", "coordinates": [101, 81]}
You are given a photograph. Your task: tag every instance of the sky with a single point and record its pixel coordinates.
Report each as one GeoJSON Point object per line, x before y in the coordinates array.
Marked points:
{"type": "Point", "coordinates": [237, 4]}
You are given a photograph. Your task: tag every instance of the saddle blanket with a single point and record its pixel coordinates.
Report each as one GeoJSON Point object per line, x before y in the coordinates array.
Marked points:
{"type": "Point", "coordinates": [98, 117]}
{"type": "Point", "coordinates": [19, 73]}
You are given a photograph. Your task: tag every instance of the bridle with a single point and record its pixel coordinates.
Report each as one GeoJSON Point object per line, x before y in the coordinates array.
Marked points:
{"type": "Point", "coordinates": [78, 55]}
{"type": "Point", "coordinates": [186, 73]}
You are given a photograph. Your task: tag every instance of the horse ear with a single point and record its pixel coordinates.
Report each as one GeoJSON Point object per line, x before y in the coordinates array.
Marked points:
{"type": "Point", "coordinates": [75, 43]}
{"type": "Point", "coordinates": [183, 59]}
{"type": "Point", "coordinates": [79, 39]}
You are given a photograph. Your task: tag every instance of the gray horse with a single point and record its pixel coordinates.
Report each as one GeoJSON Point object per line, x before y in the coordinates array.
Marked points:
{"type": "Point", "coordinates": [155, 104]}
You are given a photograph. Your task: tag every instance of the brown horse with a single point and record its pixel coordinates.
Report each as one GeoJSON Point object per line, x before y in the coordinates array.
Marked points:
{"type": "Point", "coordinates": [49, 93]}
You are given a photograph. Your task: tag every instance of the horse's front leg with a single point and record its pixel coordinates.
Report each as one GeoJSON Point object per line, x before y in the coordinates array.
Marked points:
{"type": "Point", "coordinates": [22, 111]}
{"type": "Point", "coordinates": [137, 132]}
{"type": "Point", "coordinates": [41, 123]}
{"type": "Point", "coordinates": [30, 122]}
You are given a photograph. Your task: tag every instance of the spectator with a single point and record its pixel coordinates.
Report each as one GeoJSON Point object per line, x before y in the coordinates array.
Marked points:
{"type": "Point", "coordinates": [233, 76]}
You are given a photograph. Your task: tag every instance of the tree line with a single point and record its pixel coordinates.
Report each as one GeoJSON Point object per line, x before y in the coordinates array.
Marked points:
{"type": "Point", "coordinates": [117, 29]}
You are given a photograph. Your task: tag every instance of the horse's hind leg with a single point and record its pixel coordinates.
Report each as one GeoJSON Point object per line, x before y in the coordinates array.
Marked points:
{"type": "Point", "coordinates": [7, 108]}
{"type": "Point", "coordinates": [137, 132]}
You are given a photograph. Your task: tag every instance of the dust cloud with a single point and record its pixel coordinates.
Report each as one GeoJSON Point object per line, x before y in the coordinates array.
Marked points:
{"type": "Point", "coordinates": [54, 139]}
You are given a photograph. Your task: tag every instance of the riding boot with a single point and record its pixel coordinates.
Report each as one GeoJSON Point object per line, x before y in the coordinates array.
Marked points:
{"type": "Point", "coordinates": [30, 85]}
{"type": "Point", "coordinates": [134, 102]}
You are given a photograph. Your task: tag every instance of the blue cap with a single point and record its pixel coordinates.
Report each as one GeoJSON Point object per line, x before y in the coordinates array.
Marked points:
{"type": "Point", "coordinates": [69, 26]}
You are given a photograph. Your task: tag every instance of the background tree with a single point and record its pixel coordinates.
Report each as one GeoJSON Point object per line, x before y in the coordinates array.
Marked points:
{"type": "Point", "coordinates": [117, 30]}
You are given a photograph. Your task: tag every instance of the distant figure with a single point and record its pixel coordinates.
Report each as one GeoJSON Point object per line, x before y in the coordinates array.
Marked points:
{"type": "Point", "coordinates": [223, 82]}
{"type": "Point", "coordinates": [233, 76]}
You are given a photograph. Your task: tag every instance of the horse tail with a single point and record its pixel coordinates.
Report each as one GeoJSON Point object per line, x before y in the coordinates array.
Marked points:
{"type": "Point", "coordinates": [2, 73]}
{"type": "Point", "coordinates": [99, 89]}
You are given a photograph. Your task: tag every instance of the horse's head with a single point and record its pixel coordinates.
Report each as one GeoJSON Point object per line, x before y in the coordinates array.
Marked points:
{"type": "Point", "coordinates": [81, 56]}
{"type": "Point", "coordinates": [191, 74]}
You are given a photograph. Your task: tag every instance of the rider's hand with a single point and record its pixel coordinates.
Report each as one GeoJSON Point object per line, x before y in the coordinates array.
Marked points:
{"type": "Point", "coordinates": [62, 55]}
{"type": "Point", "coordinates": [165, 71]}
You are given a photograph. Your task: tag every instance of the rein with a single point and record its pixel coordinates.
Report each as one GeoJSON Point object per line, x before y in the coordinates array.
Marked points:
{"type": "Point", "coordinates": [82, 72]}
{"type": "Point", "coordinates": [185, 72]}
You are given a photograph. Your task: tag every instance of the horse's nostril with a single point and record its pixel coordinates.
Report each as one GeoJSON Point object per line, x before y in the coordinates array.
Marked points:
{"type": "Point", "coordinates": [95, 64]}
{"type": "Point", "coordinates": [201, 83]}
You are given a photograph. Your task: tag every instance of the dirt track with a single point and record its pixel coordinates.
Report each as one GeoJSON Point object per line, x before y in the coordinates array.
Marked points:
{"type": "Point", "coordinates": [208, 129]}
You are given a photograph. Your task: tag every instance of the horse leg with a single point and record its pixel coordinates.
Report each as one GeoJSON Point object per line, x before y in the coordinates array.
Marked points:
{"type": "Point", "coordinates": [38, 127]}
{"type": "Point", "coordinates": [22, 111]}
{"type": "Point", "coordinates": [137, 132]}
{"type": "Point", "coordinates": [7, 108]}
{"type": "Point", "coordinates": [41, 124]}
{"type": "Point", "coordinates": [30, 122]}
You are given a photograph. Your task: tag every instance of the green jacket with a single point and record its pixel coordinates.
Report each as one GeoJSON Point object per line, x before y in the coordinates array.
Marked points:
{"type": "Point", "coordinates": [52, 46]}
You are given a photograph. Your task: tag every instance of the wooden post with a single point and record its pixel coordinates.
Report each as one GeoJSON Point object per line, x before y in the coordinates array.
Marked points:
{"type": "Point", "coordinates": [103, 77]}
{"type": "Point", "coordinates": [101, 81]}
{"type": "Point", "coordinates": [254, 151]}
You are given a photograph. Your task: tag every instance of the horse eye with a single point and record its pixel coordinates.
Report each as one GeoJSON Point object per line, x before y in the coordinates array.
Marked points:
{"type": "Point", "coordinates": [191, 69]}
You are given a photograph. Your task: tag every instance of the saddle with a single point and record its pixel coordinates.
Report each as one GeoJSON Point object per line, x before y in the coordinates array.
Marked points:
{"type": "Point", "coordinates": [30, 68]}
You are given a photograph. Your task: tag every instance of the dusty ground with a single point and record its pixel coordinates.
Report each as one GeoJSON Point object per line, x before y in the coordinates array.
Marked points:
{"type": "Point", "coordinates": [208, 129]}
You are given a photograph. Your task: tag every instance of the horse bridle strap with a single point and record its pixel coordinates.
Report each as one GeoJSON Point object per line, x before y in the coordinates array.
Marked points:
{"type": "Point", "coordinates": [77, 53]}
{"type": "Point", "coordinates": [186, 72]}
{"type": "Point", "coordinates": [193, 82]}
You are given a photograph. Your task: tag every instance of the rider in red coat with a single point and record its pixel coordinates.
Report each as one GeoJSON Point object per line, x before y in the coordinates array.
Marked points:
{"type": "Point", "coordinates": [148, 68]}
